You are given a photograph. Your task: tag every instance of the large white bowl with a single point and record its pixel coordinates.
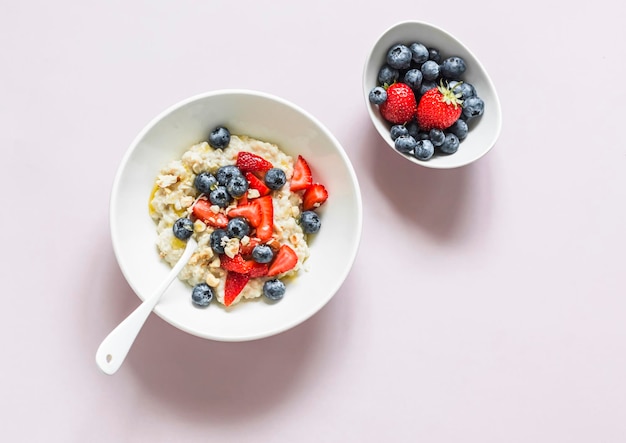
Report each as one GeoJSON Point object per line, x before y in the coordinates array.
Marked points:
{"type": "Point", "coordinates": [484, 131]}
{"type": "Point", "coordinates": [269, 118]}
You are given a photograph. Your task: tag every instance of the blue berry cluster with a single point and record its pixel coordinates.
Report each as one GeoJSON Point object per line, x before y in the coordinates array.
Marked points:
{"type": "Point", "coordinates": [423, 68]}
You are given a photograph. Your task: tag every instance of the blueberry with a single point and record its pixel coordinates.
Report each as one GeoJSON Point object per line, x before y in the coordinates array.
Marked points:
{"type": "Point", "coordinates": [205, 182]}
{"type": "Point", "coordinates": [201, 295]}
{"type": "Point", "coordinates": [274, 289]}
{"type": "Point", "coordinates": [430, 70]}
{"type": "Point", "coordinates": [216, 239]}
{"type": "Point", "coordinates": [219, 138]}
{"type": "Point", "coordinates": [405, 144]}
{"type": "Point", "coordinates": [310, 222]}
{"type": "Point", "coordinates": [424, 150]}
{"type": "Point", "coordinates": [226, 173]}
{"type": "Point", "coordinates": [453, 68]}
{"type": "Point", "coordinates": [183, 228]}
{"type": "Point", "coordinates": [465, 89]}
{"type": "Point", "coordinates": [423, 135]}
{"type": "Point", "coordinates": [220, 197]}
{"type": "Point", "coordinates": [427, 86]}
{"type": "Point", "coordinates": [378, 95]}
{"type": "Point", "coordinates": [419, 53]}
{"type": "Point", "coordinates": [413, 128]}
{"type": "Point", "coordinates": [387, 75]}
{"type": "Point", "coordinates": [459, 128]}
{"type": "Point", "coordinates": [262, 254]}
{"type": "Point", "coordinates": [473, 107]}
{"type": "Point", "coordinates": [275, 178]}
{"type": "Point", "coordinates": [398, 130]}
{"type": "Point", "coordinates": [436, 137]}
{"type": "Point", "coordinates": [399, 57]}
{"type": "Point", "coordinates": [450, 144]}
{"type": "Point", "coordinates": [434, 55]}
{"type": "Point", "coordinates": [238, 227]}
{"type": "Point", "coordinates": [237, 186]}
{"type": "Point", "coordinates": [413, 78]}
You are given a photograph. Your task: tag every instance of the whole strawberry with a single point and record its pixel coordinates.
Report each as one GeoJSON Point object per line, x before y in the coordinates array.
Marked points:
{"type": "Point", "coordinates": [438, 108]}
{"type": "Point", "coordinates": [400, 105]}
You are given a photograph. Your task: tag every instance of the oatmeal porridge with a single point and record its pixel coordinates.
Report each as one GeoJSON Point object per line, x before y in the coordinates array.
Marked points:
{"type": "Point", "coordinates": [251, 208]}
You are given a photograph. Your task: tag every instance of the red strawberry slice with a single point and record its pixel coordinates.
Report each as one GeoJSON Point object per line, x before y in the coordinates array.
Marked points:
{"type": "Point", "coordinates": [251, 212]}
{"type": "Point", "coordinates": [236, 264]}
{"type": "Point", "coordinates": [258, 270]}
{"type": "Point", "coordinates": [265, 229]}
{"type": "Point", "coordinates": [233, 286]}
{"type": "Point", "coordinates": [256, 183]}
{"type": "Point", "coordinates": [249, 162]}
{"type": "Point", "coordinates": [400, 106]}
{"type": "Point", "coordinates": [243, 200]}
{"type": "Point", "coordinates": [302, 177]}
{"type": "Point", "coordinates": [314, 197]}
{"type": "Point", "coordinates": [242, 266]}
{"type": "Point", "coordinates": [202, 210]}
{"type": "Point", "coordinates": [285, 260]}
{"type": "Point", "coordinates": [246, 250]}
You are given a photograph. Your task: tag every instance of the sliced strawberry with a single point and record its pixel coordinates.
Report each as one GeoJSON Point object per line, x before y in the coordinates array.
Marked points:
{"type": "Point", "coordinates": [236, 264]}
{"type": "Point", "coordinates": [243, 200]}
{"type": "Point", "coordinates": [258, 270]}
{"type": "Point", "coordinates": [233, 286]}
{"type": "Point", "coordinates": [302, 177]}
{"type": "Point", "coordinates": [285, 260]}
{"type": "Point", "coordinates": [251, 212]}
{"type": "Point", "coordinates": [202, 210]}
{"type": "Point", "coordinates": [249, 162]}
{"type": "Point", "coordinates": [314, 197]}
{"type": "Point", "coordinates": [246, 250]}
{"type": "Point", "coordinates": [256, 183]}
{"type": "Point", "coordinates": [242, 266]}
{"type": "Point", "coordinates": [265, 229]}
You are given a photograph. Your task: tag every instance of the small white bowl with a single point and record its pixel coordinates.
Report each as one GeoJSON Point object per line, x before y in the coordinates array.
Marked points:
{"type": "Point", "coordinates": [262, 116]}
{"type": "Point", "coordinates": [484, 130]}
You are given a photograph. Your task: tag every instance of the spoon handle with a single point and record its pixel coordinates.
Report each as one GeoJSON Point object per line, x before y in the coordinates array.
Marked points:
{"type": "Point", "coordinates": [114, 348]}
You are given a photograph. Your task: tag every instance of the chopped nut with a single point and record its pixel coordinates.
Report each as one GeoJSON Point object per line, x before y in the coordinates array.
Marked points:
{"type": "Point", "coordinates": [199, 226]}
{"type": "Point", "coordinates": [295, 211]}
{"type": "Point", "coordinates": [232, 247]}
{"type": "Point", "coordinates": [245, 240]}
{"type": "Point", "coordinates": [214, 209]}
{"type": "Point", "coordinates": [165, 180]}
{"type": "Point", "coordinates": [215, 263]}
{"type": "Point", "coordinates": [253, 193]}
{"type": "Point", "coordinates": [274, 244]}
{"type": "Point", "coordinates": [186, 201]}
{"type": "Point", "coordinates": [211, 280]}
{"type": "Point", "coordinates": [201, 257]}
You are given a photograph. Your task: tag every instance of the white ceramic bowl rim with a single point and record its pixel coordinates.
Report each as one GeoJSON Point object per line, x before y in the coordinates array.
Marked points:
{"type": "Point", "coordinates": [356, 226]}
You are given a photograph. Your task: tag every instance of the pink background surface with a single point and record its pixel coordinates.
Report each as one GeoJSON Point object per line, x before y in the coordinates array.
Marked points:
{"type": "Point", "coordinates": [499, 316]}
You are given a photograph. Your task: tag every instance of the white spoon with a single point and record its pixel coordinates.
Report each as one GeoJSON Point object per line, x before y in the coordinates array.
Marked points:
{"type": "Point", "coordinates": [114, 348]}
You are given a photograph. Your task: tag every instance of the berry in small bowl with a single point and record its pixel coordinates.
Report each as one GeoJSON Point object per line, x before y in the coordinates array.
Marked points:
{"type": "Point", "coordinates": [437, 108]}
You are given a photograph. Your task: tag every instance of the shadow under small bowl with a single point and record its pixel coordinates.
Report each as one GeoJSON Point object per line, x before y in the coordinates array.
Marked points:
{"type": "Point", "coordinates": [484, 130]}
{"type": "Point", "coordinates": [332, 250]}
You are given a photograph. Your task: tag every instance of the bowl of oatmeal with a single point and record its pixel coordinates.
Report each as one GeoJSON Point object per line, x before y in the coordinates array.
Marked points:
{"type": "Point", "coordinates": [266, 191]}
